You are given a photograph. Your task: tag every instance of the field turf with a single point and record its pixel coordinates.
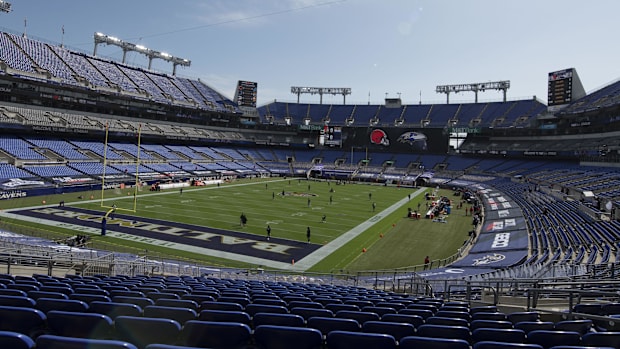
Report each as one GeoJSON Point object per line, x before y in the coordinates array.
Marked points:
{"type": "Point", "coordinates": [289, 207]}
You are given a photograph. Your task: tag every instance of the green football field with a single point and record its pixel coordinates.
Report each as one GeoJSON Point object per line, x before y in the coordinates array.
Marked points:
{"type": "Point", "coordinates": [388, 240]}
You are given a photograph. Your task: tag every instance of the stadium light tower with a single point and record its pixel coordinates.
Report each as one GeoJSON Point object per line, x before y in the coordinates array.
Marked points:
{"type": "Point", "coordinates": [5, 6]}
{"type": "Point", "coordinates": [495, 85]}
{"type": "Point", "coordinates": [344, 91]}
{"type": "Point", "coordinates": [151, 54]}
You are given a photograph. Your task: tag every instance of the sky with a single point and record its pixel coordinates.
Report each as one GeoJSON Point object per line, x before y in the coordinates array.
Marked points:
{"type": "Point", "coordinates": [378, 48]}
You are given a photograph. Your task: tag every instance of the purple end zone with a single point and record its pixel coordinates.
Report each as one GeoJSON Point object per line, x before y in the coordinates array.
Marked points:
{"type": "Point", "coordinates": [280, 250]}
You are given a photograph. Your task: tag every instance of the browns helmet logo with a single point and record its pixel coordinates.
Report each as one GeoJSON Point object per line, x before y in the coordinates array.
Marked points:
{"type": "Point", "coordinates": [378, 136]}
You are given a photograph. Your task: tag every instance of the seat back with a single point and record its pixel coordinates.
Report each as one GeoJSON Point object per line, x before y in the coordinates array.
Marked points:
{"type": "Point", "coordinates": [552, 338]}
{"type": "Point", "coordinates": [497, 316]}
{"type": "Point", "coordinates": [225, 316]}
{"type": "Point", "coordinates": [490, 324]}
{"type": "Point", "coordinates": [82, 325]}
{"type": "Point", "coordinates": [142, 302]}
{"type": "Point", "coordinates": [178, 303]}
{"type": "Point", "coordinates": [510, 335]}
{"type": "Point", "coordinates": [47, 304]}
{"type": "Point", "coordinates": [209, 334]}
{"type": "Point", "coordinates": [503, 345]}
{"type": "Point", "coordinates": [397, 330]}
{"type": "Point", "coordinates": [414, 342]}
{"type": "Point", "coordinates": [603, 339]}
{"type": "Point", "coordinates": [292, 320]}
{"type": "Point", "coordinates": [275, 337]}
{"type": "Point", "coordinates": [307, 313]}
{"type": "Point", "coordinates": [582, 326]}
{"type": "Point", "coordinates": [46, 294]}
{"type": "Point", "coordinates": [351, 340]}
{"type": "Point", "coordinates": [444, 331]}
{"type": "Point", "coordinates": [181, 315]}
{"type": "Point", "coordinates": [265, 308]}
{"type": "Point", "coordinates": [447, 321]}
{"type": "Point", "coordinates": [14, 340]}
{"type": "Point", "coordinates": [58, 342]}
{"type": "Point", "coordinates": [28, 321]}
{"type": "Point", "coordinates": [217, 305]}
{"type": "Point", "coordinates": [88, 298]}
{"type": "Point", "coordinates": [328, 324]}
{"type": "Point", "coordinates": [142, 331]}
{"type": "Point", "coordinates": [113, 309]}
{"type": "Point", "coordinates": [424, 314]}
{"type": "Point", "coordinates": [415, 320]}
{"type": "Point", "coordinates": [360, 316]}
{"type": "Point", "coordinates": [521, 316]}
{"type": "Point", "coordinates": [529, 326]}
{"type": "Point", "coordinates": [17, 301]}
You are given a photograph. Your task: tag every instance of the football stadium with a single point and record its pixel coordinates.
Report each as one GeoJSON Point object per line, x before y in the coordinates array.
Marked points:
{"type": "Point", "coordinates": [142, 209]}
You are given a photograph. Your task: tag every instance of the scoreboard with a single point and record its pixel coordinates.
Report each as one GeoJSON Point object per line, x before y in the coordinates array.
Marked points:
{"type": "Point", "coordinates": [560, 87]}
{"type": "Point", "coordinates": [331, 136]}
{"type": "Point", "coordinates": [245, 95]}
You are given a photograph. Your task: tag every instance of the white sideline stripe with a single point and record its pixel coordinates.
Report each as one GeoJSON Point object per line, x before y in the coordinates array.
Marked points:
{"type": "Point", "coordinates": [318, 255]}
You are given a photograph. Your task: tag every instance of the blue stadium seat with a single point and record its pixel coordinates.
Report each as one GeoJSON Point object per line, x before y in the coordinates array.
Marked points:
{"type": "Point", "coordinates": [602, 339]}
{"type": "Point", "coordinates": [307, 313]}
{"type": "Point", "coordinates": [423, 313]}
{"type": "Point", "coordinates": [58, 342]}
{"type": "Point", "coordinates": [489, 324]}
{"type": "Point", "coordinates": [328, 324]}
{"type": "Point", "coordinates": [581, 326]}
{"type": "Point", "coordinates": [209, 334]}
{"type": "Point", "coordinates": [28, 321]}
{"type": "Point", "coordinates": [336, 307]}
{"type": "Point", "coordinates": [454, 314]}
{"type": "Point", "coordinates": [497, 316]}
{"type": "Point", "coordinates": [46, 294]}
{"type": "Point", "coordinates": [142, 302]}
{"type": "Point", "coordinates": [355, 340]}
{"type": "Point", "coordinates": [264, 308]}
{"type": "Point", "coordinates": [113, 309]}
{"type": "Point", "coordinates": [304, 304]}
{"type": "Point", "coordinates": [15, 340]}
{"type": "Point", "coordinates": [380, 310]}
{"type": "Point", "coordinates": [447, 321]}
{"type": "Point", "coordinates": [503, 345]}
{"type": "Point", "coordinates": [359, 316]}
{"type": "Point", "coordinates": [529, 326]}
{"type": "Point", "coordinates": [414, 342]}
{"type": "Point", "coordinates": [510, 335]}
{"type": "Point", "coordinates": [291, 320]}
{"type": "Point", "coordinates": [47, 304]}
{"type": "Point", "coordinates": [198, 298]}
{"type": "Point", "coordinates": [225, 316]}
{"type": "Point", "coordinates": [415, 320]}
{"type": "Point", "coordinates": [529, 316]}
{"type": "Point", "coordinates": [88, 298]}
{"type": "Point", "coordinates": [17, 301]}
{"type": "Point", "coordinates": [180, 315]}
{"type": "Point", "coordinates": [443, 331]}
{"type": "Point", "coordinates": [82, 325]}
{"type": "Point", "coordinates": [218, 305]}
{"type": "Point", "coordinates": [397, 330]}
{"type": "Point", "coordinates": [483, 309]}
{"type": "Point", "coordinates": [277, 337]}
{"type": "Point", "coordinates": [167, 346]}
{"type": "Point", "coordinates": [551, 338]}
{"type": "Point", "coordinates": [142, 331]}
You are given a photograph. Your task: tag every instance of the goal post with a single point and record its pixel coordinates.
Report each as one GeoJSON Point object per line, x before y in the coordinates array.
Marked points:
{"type": "Point", "coordinates": [132, 207]}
